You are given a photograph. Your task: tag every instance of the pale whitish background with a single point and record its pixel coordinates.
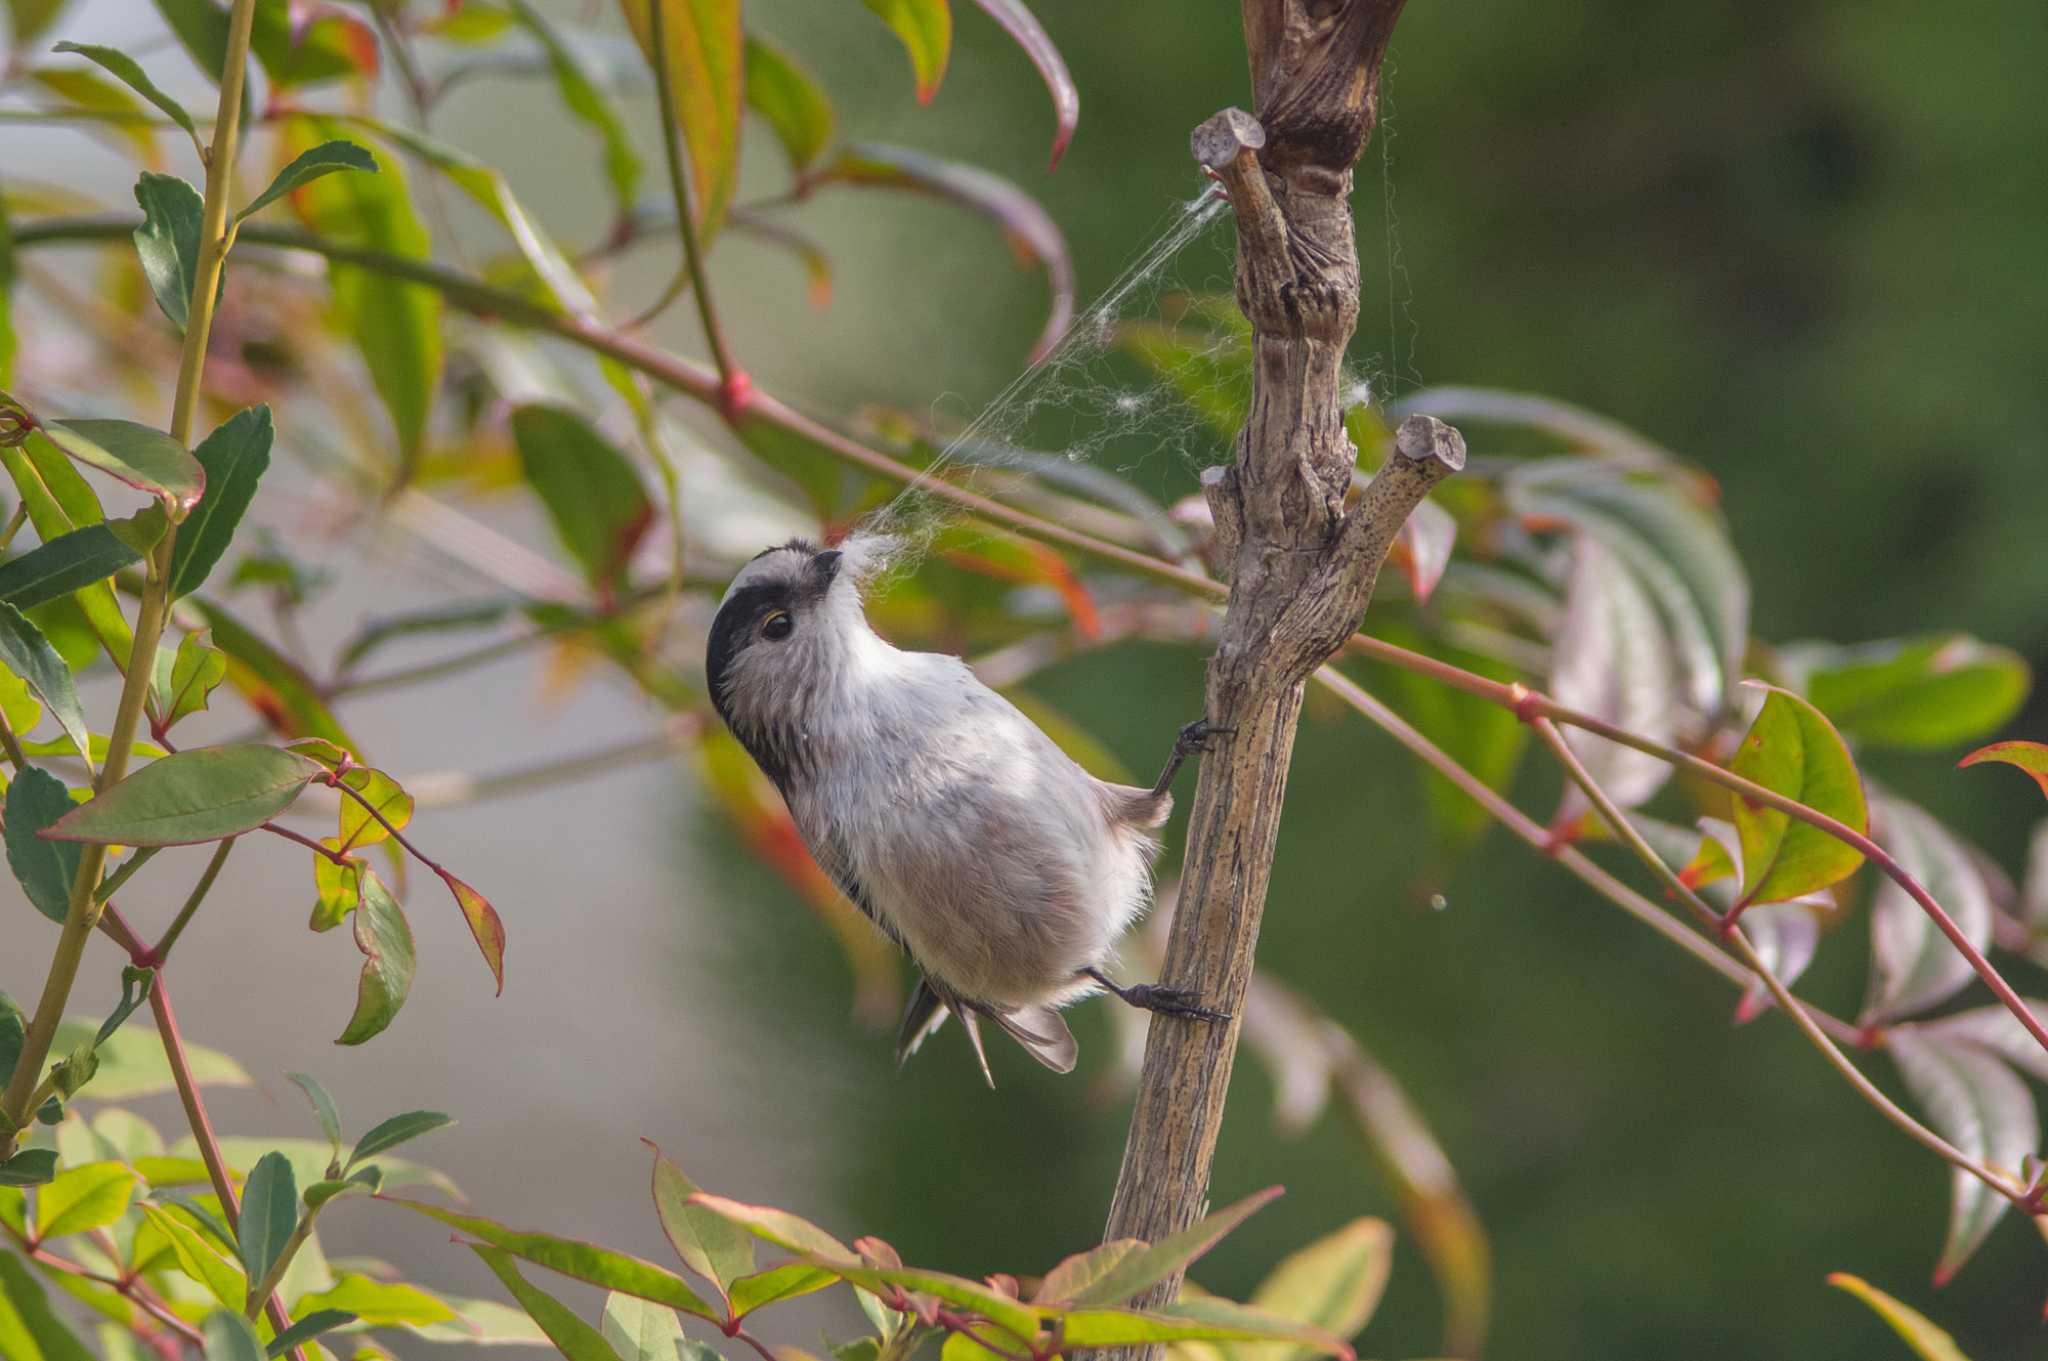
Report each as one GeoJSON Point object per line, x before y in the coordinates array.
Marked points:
{"type": "Point", "coordinates": [615, 1021]}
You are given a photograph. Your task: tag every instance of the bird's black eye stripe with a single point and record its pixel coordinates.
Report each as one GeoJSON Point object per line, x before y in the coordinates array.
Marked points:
{"type": "Point", "coordinates": [778, 625]}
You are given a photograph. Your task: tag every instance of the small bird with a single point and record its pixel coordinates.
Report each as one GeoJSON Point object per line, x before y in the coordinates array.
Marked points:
{"type": "Point", "coordinates": [1003, 869]}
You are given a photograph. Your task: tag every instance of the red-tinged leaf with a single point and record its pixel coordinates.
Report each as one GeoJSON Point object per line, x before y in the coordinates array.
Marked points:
{"type": "Point", "coordinates": [1030, 231]}
{"type": "Point", "coordinates": [1612, 659]}
{"type": "Point", "coordinates": [1133, 1272]}
{"type": "Point", "coordinates": [1196, 1319]}
{"type": "Point", "coordinates": [925, 28]}
{"type": "Point", "coordinates": [706, 65]}
{"type": "Point", "coordinates": [573, 1338]}
{"type": "Point", "coordinates": [1928, 1342]}
{"type": "Point", "coordinates": [1023, 26]}
{"type": "Point", "coordinates": [1791, 749]}
{"type": "Point", "coordinates": [710, 1244]}
{"type": "Point", "coordinates": [1914, 964]}
{"type": "Point", "coordinates": [784, 94]}
{"type": "Point", "coordinates": [2031, 757]}
{"type": "Point", "coordinates": [1076, 1274]}
{"type": "Point", "coordinates": [204, 794]}
{"type": "Point", "coordinates": [385, 938]}
{"type": "Point", "coordinates": [574, 1258]}
{"type": "Point", "coordinates": [1977, 1103]}
{"type": "Point", "coordinates": [1019, 1320]}
{"type": "Point", "coordinates": [484, 925]}
{"type": "Point", "coordinates": [1008, 557]}
{"type": "Point", "coordinates": [145, 459]}
{"type": "Point", "coordinates": [792, 1233]}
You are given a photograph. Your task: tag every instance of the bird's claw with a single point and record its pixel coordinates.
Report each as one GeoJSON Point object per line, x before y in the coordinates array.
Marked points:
{"type": "Point", "coordinates": [1172, 1002]}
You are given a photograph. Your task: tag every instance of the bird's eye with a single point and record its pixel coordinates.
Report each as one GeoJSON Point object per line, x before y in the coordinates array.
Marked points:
{"type": "Point", "coordinates": [777, 626]}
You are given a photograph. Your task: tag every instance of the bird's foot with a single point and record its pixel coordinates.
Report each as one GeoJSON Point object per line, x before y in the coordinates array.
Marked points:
{"type": "Point", "coordinates": [1162, 999]}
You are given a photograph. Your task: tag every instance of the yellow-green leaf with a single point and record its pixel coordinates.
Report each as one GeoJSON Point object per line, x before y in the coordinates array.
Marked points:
{"type": "Point", "coordinates": [1792, 749]}
{"type": "Point", "coordinates": [705, 62]}
{"type": "Point", "coordinates": [1927, 1341]}
{"type": "Point", "coordinates": [925, 28]}
{"type": "Point", "coordinates": [81, 1198]}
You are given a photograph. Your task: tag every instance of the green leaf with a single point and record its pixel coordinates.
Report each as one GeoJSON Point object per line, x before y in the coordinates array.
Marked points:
{"type": "Point", "coordinates": [310, 1156]}
{"type": "Point", "coordinates": [574, 1338]}
{"type": "Point", "coordinates": [270, 1211]}
{"type": "Point", "coordinates": [641, 1331]}
{"type": "Point", "coordinates": [380, 1304]}
{"type": "Point", "coordinates": [168, 241]}
{"type": "Point", "coordinates": [146, 459]}
{"type": "Point", "coordinates": [222, 1278]}
{"type": "Point", "coordinates": [309, 48]}
{"type": "Point", "coordinates": [1020, 1320]}
{"type": "Point", "coordinates": [13, 1034]}
{"type": "Point", "coordinates": [1112, 1281]}
{"type": "Point", "coordinates": [705, 73]}
{"type": "Point", "coordinates": [83, 1198]}
{"type": "Point", "coordinates": [132, 1062]}
{"type": "Point", "coordinates": [397, 1130]}
{"type": "Point", "coordinates": [1927, 1341]}
{"type": "Point", "coordinates": [124, 68]}
{"type": "Point", "coordinates": [46, 870]}
{"type": "Point", "coordinates": [1194, 1320]}
{"type": "Point", "coordinates": [306, 1328]}
{"type": "Point", "coordinates": [30, 1167]}
{"type": "Point", "coordinates": [195, 672]}
{"type": "Point", "coordinates": [785, 1282]}
{"type": "Point", "coordinates": [1917, 694]}
{"type": "Point", "coordinates": [205, 1218]}
{"type": "Point", "coordinates": [323, 1108]}
{"type": "Point", "coordinates": [1791, 749]}
{"type": "Point", "coordinates": [785, 95]}
{"type": "Point", "coordinates": [1913, 964]}
{"type": "Point", "coordinates": [385, 938]}
{"type": "Point", "coordinates": [28, 654]}
{"type": "Point", "coordinates": [792, 1233]}
{"type": "Point", "coordinates": [234, 457]}
{"type": "Point", "coordinates": [309, 165]}
{"type": "Point", "coordinates": [364, 1179]}
{"type": "Point", "coordinates": [1977, 1103]}
{"type": "Point", "coordinates": [585, 93]}
{"type": "Point", "coordinates": [925, 28]}
{"type": "Point", "coordinates": [191, 796]}
{"type": "Point", "coordinates": [570, 1257]}
{"type": "Point", "coordinates": [1027, 227]}
{"type": "Point", "coordinates": [59, 566]}
{"type": "Point", "coordinates": [135, 988]}
{"type": "Point", "coordinates": [1029, 34]}
{"type": "Point", "coordinates": [60, 502]}
{"type": "Point", "coordinates": [229, 1337]}
{"type": "Point", "coordinates": [1334, 1283]}
{"type": "Point", "coordinates": [29, 1329]}
{"type": "Point", "coordinates": [590, 490]}
{"type": "Point", "coordinates": [709, 1244]}
{"type": "Point", "coordinates": [396, 324]}
{"type": "Point", "coordinates": [2031, 757]}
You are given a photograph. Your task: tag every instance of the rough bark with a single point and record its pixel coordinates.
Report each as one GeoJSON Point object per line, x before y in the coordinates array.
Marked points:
{"type": "Point", "coordinates": [1302, 561]}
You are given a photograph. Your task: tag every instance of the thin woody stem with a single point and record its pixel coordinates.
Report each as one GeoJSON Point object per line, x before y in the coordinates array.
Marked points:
{"type": "Point", "coordinates": [162, 950]}
{"type": "Point", "coordinates": [1868, 1090]}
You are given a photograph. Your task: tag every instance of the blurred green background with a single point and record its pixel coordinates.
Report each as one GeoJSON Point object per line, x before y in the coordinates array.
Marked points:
{"type": "Point", "coordinates": [1800, 243]}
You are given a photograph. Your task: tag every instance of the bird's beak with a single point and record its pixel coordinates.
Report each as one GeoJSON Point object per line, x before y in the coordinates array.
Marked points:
{"type": "Point", "coordinates": [826, 565]}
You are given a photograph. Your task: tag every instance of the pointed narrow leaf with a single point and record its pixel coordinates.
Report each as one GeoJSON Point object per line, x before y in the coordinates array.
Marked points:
{"type": "Point", "coordinates": [380, 1304]}
{"type": "Point", "coordinates": [925, 28]}
{"type": "Point", "coordinates": [784, 94]}
{"type": "Point", "coordinates": [147, 460]}
{"type": "Point", "coordinates": [1978, 1104]}
{"type": "Point", "coordinates": [90, 1196]}
{"type": "Point", "coordinates": [1791, 749]}
{"type": "Point", "coordinates": [59, 566]}
{"type": "Point", "coordinates": [640, 1331]}
{"type": "Point", "coordinates": [1913, 963]}
{"type": "Point", "coordinates": [270, 1211]}
{"type": "Point", "coordinates": [1019, 1320]}
{"type": "Point", "coordinates": [168, 241]}
{"type": "Point", "coordinates": [310, 165]}
{"type": "Point", "coordinates": [124, 69]}
{"type": "Point", "coordinates": [1030, 231]}
{"type": "Point", "coordinates": [1139, 1270]}
{"type": "Point", "coordinates": [135, 988]}
{"type": "Point", "coordinates": [36, 801]}
{"type": "Point", "coordinates": [222, 1278]}
{"type": "Point", "coordinates": [706, 66]}
{"type": "Point", "coordinates": [1927, 1341]}
{"type": "Point", "coordinates": [191, 796]}
{"type": "Point", "coordinates": [1194, 1320]}
{"type": "Point", "coordinates": [570, 1257]}
{"type": "Point", "coordinates": [399, 1129]}
{"type": "Point", "coordinates": [1915, 693]}
{"type": "Point", "coordinates": [711, 1245]}
{"type": "Point", "coordinates": [1023, 26]}
{"type": "Point", "coordinates": [323, 1108]}
{"type": "Point", "coordinates": [484, 925]}
{"type": "Point", "coordinates": [791, 1233]}
{"type": "Point", "coordinates": [306, 1328]}
{"type": "Point", "coordinates": [590, 490]}
{"type": "Point", "coordinates": [30, 1330]}
{"type": "Point", "coordinates": [1076, 1274]}
{"type": "Point", "coordinates": [585, 93]}
{"type": "Point", "coordinates": [574, 1338]}
{"type": "Point", "coordinates": [234, 458]}
{"type": "Point", "coordinates": [385, 938]}
{"type": "Point", "coordinates": [778, 1283]}
{"type": "Point", "coordinates": [28, 654]}
{"type": "Point", "coordinates": [2031, 757]}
